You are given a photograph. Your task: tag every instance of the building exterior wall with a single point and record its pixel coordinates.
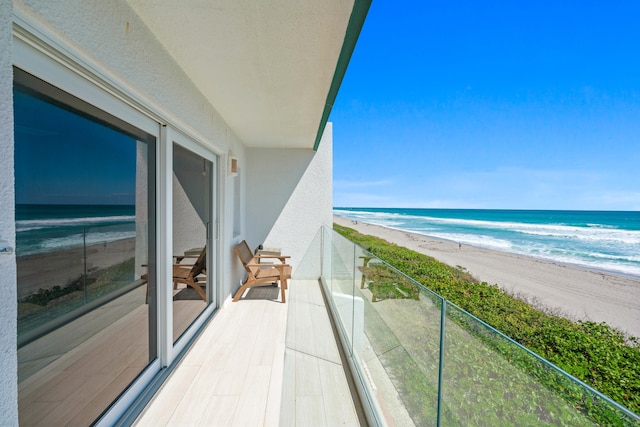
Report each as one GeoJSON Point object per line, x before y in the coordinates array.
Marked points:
{"type": "Point", "coordinates": [290, 190]}
{"type": "Point", "coordinates": [112, 33]}
{"type": "Point", "coordinates": [8, 308]}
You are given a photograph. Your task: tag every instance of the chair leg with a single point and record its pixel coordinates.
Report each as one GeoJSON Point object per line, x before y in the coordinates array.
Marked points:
{"type": "Point", "coordinates": [283, 286]}
{"type": "Point", "coordinates": [198, 289]}
{"type": "Point", "coordinates": [238, 294]}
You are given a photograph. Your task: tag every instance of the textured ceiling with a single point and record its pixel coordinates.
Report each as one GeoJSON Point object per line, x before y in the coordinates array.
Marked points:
{"type": "Point", "coordinates": [265, 66]}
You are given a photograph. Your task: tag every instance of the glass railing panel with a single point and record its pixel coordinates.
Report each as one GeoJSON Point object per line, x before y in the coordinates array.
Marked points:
{"type": "Point", "coordinates": [401, 348]}
{"type": "Point", "coordinates": [358, 306]}
{"type": "Point", "coordinates": [309, 267]}
{"type": "Point", "coordinates": [48, 262]}
{"type": "Point", "coordinates": [342, 284]}
{"type": "Point", "coordinates": [394, 330]}
{"type": "Point", "coordinates": [490, 380]}
{"type": "Point", "coordinates": [326, 267]}
{"type": "Point", "coordinates": [110, 260]}
{"type": "Point", "coordinates": [91, 264]}
{"type": "Point", "coordinates": [90, 311]}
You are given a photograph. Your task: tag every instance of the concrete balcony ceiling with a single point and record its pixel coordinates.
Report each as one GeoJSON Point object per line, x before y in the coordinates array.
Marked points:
{"type": "Point", "coordinates": [268, 67]}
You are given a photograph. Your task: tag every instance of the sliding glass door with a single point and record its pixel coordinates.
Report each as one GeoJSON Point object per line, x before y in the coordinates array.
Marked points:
{"type": "Point", "coordinates": [85, 231]}
{"type": "Point", "coordinates": [193, 271]}
{"type": "Point", "coordinates": [105, 194]}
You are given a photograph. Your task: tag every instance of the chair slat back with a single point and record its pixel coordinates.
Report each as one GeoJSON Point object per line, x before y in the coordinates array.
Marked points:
{"type": "Point", "coordinates": [200, 264]}
{"type": "Point", "coordinates": [246, 256]}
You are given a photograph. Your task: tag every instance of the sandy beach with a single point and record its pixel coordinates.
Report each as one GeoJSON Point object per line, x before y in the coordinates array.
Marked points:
{"type": "Point", "coordinates": [573, 292]}
{"type": "Point", "coordinates": [60, 267]}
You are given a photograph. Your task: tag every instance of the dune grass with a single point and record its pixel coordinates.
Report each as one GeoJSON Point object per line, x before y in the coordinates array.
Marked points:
{"type": "Point", "coordinates": [47, 304]}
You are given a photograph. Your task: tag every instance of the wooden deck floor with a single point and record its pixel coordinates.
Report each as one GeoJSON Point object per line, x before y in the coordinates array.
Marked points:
{"type": "Point", "coordinates": [260, 363]}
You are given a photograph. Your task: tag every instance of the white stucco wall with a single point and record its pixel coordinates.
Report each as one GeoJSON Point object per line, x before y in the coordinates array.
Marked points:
{"type": "Point", "coordinates": [291, 189]}
{"type": "Point", "coordinates": [8, 307]}
{"type": "Point", "coordinates": [112, 33]}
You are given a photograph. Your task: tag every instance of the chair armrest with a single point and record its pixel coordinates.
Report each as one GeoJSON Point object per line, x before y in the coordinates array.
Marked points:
{"type": "Point", "coordinates": [179, 258]}
{"type": "Point", "coordinates": [279, 267]}
{"type": "Point", "coordinates": [280, 257]}
{"type": "Point", "coordinates": [264, 266]}
{"type": "Point", "coordinates": [272, 256]}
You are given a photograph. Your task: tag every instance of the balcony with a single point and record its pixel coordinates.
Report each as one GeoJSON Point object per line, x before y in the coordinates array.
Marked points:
{"type": "Point", "coordinates": [413, 357]}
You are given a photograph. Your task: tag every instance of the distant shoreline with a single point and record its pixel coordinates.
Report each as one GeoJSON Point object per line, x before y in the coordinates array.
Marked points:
{"type": "Point", "coordinates": [539, 258]}
{"type": "Point", "coordinates": [577, 292]}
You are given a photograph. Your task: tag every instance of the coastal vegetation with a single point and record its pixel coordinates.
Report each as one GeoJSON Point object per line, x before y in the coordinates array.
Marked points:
{"type": "Point", "coordinates": [47, 304]}
{"type": "Point", "coordinates": [596, 353]}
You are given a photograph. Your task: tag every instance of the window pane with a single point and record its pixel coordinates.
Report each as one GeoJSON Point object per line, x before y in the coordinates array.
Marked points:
{"type": "Point", "coordinates": [191, 213]}
{"type": "Point", "coordinates": [84, 226]}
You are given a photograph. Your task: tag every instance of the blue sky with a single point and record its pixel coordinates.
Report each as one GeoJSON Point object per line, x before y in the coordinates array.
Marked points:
{"type": "Point", "coordinates": [64, 158]}
{"type": "Point", "coordinates": [515, 105]}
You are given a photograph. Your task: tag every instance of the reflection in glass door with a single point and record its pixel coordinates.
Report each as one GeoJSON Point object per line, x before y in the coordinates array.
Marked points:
{"type": "Point", "coordinates": [85, 231]}
{"type": "Point", "coordinates": [192, 191]}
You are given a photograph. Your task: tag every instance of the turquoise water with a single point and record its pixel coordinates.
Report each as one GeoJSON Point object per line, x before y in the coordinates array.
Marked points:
{"type": "Point", "coordinates": [47, 228]}
{"type": "Point", "coordinates": [602, 240]}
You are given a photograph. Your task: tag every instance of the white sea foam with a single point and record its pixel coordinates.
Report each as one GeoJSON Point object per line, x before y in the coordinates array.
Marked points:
{"type": "Point", "coordinates": [627, 237]}
{"type": "Point", "coordinates": [475, 240]}
{"type": "Point", "coordinates": [37, 224]}
{"type": "Point", "coordinates": [595, 246]}
{"type": "Point", "coordinates": [78, 240]}
{"type": "Point", "coordinates": [622, 258]}
{"type": "Point", "coordinates": [600, 226]}
{"type": "Point", "coordinates": [592, 232]}
{"type": "Point", "coordinates": [610, 266]}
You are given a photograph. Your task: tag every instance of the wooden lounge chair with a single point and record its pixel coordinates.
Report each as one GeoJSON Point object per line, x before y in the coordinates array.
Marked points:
{"type": "Point", "coordinates": [261, 274]}
{"type": "Point", "coordinates": [188, 274]}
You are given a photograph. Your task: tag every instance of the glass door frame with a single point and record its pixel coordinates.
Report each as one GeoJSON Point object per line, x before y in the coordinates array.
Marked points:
{"type": "Point", "coordinates": [37, 52]}
{"type": "Point", "coordinates": [169, 137]}
{"type": "Point", "coordinates": [45, 55]}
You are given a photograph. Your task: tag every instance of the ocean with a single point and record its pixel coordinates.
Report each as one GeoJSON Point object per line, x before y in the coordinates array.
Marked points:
{"type": "Point", "coordinates": [47, 228]}
{"type": "Point", "coordinates": [601, 240]}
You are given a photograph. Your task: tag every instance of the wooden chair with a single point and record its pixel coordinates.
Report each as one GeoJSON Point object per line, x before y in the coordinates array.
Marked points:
{"type": "Point", "coordinates": [261, 274]}
{"type": "Point", "coordinates": [188, 274]}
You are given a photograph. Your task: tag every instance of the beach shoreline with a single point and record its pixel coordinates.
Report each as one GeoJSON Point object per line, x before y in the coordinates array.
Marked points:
{"type": "Point", "coordinates": [572, 291]}
{"type": "Point", "coordinates": [58, 268]}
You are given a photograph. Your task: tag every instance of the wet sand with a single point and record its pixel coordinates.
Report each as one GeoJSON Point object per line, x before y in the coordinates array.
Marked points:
{"type": "Point", "coordinates": [571, 291]}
